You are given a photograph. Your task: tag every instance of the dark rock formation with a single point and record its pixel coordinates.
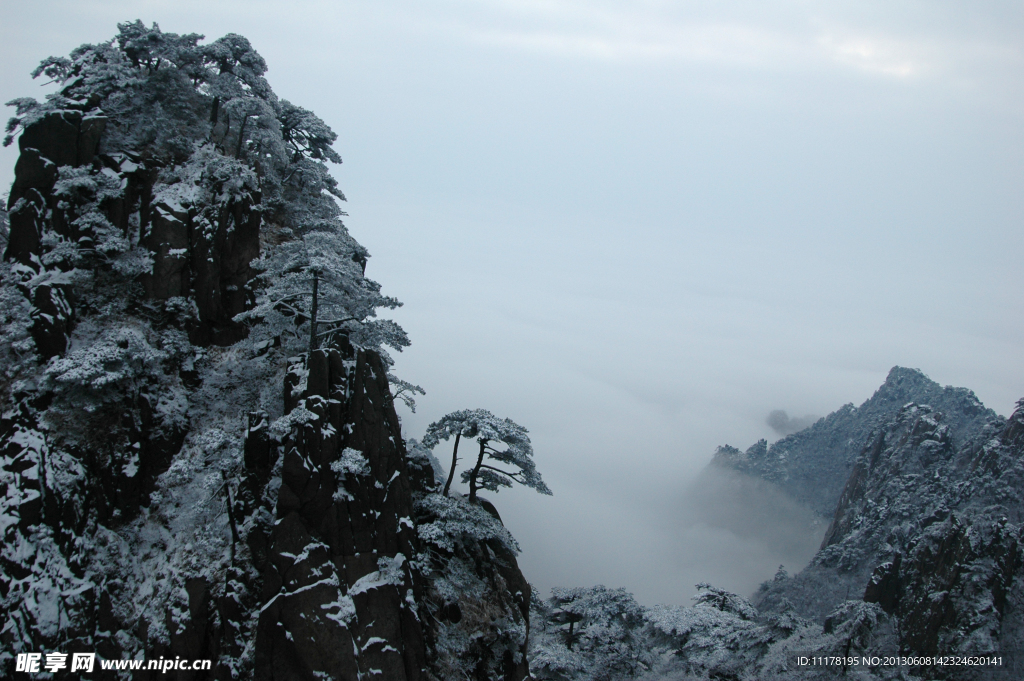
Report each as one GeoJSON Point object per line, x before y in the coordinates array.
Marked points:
{"type": "Point", "coordinates": [494, 613]}
{"type": "Point", "coordinates": [220, 249]}
{"type": "Point", "coordinates": [69, 138]}
{"type": "Point", "coordinates": [341, 596]}
{"type": "Point", "coordinates": [201, 252]}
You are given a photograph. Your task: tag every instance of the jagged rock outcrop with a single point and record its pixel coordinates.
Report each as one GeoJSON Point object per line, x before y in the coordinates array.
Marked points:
{"type": "Point", "coordinates": [198, 251]}
{"type": "Point", "coordinates": [341, 596]}
{"type": "Point", "coordinates": [922, 486]}
{"type": "Point", "coordinates": [476, 598]}
{"type": "Point", "coordinates": [69, 139]}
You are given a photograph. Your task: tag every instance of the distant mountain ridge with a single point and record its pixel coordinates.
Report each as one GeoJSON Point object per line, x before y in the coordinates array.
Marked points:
{"type": "Point", "coordinates": [930, 531]}
{"type": "Point", "coordinates": [924, 556]}
{"type": "Point", "coordinates": [813, 465]}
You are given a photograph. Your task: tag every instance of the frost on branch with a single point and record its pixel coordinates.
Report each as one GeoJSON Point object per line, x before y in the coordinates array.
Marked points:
{"type": "Point", "coordinates": [517, 452]}
{"type": "Point", "coordinates": [405, 391]}
{"type": "Point", "coordinates": [590, 633]}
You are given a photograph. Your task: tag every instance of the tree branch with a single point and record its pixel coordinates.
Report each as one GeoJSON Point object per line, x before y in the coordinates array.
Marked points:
{"type": "Point", "coordinates": [498, 470]}
{"type": "Point", "coordinates": [339, 321]}
{"type": "Point", "coordinates": [455, 459]}
{"type": "Point", "coordinates": [476, 472]}
{"type": "Point", "coordinates": [290, 296]}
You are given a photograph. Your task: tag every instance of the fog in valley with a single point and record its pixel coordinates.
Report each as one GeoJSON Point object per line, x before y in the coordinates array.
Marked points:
{"type": "Point", "coordinates": [645, 230]}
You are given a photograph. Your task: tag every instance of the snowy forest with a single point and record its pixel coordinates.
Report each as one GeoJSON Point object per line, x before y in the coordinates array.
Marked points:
{"type": "Point", "coordinates": [202, 457]}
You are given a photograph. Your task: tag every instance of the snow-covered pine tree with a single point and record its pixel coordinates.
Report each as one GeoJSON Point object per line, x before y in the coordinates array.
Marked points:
{"type": "Point", "coordinates": [487, 429]}
{"type": "Point", "coordinates": [346, 301]}
{"type": "Point", "coordinates": [598, 634]}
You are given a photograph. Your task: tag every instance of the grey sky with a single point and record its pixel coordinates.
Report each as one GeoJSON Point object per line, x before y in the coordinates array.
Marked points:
{"type": "Point", "coordinates": [638, 227]}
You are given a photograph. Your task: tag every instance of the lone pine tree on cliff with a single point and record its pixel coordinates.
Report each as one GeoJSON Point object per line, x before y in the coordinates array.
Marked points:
{"type": "Point", "coordinates": [489, 431]}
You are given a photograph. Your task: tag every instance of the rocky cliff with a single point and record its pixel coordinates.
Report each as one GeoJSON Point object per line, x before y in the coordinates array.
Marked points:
{"type": "Point", "coordinates": [339, 588]}
{"type": "Point", "coordinates": [812, 466]}
{"type": "Point", "coordinates": [199, 451]}
{"type": "Point", "coordinates": [929, 531]}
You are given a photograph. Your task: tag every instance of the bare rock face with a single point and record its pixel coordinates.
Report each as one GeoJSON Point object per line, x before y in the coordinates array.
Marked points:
{"type": "Point", "coordinates": [168, 240]}
{"type": "Point", "coordinates": [340, 591]}
{"type": "Point", "coordinates": [221, 246]}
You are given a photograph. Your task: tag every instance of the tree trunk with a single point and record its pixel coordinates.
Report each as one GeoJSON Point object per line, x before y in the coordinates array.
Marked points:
{"type": "Point", "coordinates": [241, 136]}
{"type": "Point", "coordinates": [312, 314]}
{"type": "Point", "coordinates": [455, 459]}
{"type": "Point", "coordinates": [231, 517]}
{"type": "Point", "coordinates": [476, 472]}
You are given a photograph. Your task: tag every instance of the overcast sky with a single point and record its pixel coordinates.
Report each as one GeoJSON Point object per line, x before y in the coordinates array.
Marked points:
{"type": "Point", "coordinates": [638, 227]}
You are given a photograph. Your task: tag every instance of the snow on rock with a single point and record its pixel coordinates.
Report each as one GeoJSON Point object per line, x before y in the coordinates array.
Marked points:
{"type": "Point", "coordinates": [151, 460]}
{"type": "Point", "coordinates": [339, 539]}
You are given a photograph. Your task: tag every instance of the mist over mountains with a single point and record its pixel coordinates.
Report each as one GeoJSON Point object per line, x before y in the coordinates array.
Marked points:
{"type": "Point", "coordinates": [922, 555]}
{"type": "Point", "coordinates": [783, 424]}
{"type": "Point", "coordinates": [202, 459]}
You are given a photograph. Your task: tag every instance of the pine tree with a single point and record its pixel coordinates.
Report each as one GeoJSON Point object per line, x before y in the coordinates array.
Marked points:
{"type": "Point", "coordinates": [601, 630]}
{"type": "Point", "coordinates": [488, 429]}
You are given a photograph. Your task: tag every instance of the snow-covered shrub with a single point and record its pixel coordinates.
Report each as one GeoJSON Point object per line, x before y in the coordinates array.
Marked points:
{"type": "Point", "coordinates": [82, 194]}
{"type": "Point", "coordinates": [118, 362]}
{"type": "Point", "coordinates": [17, 349]}
{"type": "Point", "coordinates": [590, 633]}
{"type": "Point", "coordinates": [453, 523]}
